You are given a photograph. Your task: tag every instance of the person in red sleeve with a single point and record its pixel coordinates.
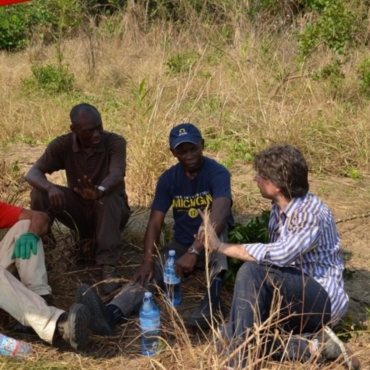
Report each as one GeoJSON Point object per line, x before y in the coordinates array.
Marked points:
{"type": "Point", "coordinates": [26, 299]}
{"type": "Point", "coordinates": [21, 248]}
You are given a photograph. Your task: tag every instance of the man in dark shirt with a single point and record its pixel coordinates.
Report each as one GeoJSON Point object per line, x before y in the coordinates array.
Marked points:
{"type": "Point", "coordinates": [94, 202]}
{"type": "Point", "coordinates": [195, 182]}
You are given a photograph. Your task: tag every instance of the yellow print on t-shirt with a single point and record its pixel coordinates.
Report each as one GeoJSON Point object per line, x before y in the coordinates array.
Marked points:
{"type": "Point", "coordinates": [191, 203]}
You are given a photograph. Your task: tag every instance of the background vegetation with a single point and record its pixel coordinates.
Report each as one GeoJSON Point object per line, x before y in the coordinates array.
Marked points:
{"type": "Point", "coordinates": [248, 73]}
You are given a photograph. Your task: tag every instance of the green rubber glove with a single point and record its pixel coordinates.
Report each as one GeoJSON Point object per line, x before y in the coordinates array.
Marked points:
{"type": "Point", "coordinates": [25, 244]}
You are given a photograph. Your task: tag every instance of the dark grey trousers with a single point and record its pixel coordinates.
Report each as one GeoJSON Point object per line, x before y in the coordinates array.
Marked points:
{"type": "Point", "coordinates": [104, 219]}
{"type": "Point", "coordinates": [129, 299]}
{"type": "Point", "coordinates": [300, 305]}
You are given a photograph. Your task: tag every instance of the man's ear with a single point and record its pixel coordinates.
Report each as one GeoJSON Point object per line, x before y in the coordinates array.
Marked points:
{"type": "Point", "coordinates": [72, 128]}
{"type": "Point", "coordinates": [172, 152]}
{"type": "Point", "coordinates": [202, 143]}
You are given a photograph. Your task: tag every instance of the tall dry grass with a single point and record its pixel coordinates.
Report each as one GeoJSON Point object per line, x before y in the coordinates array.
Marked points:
{"type": "Point", "coordinates": [242, 88]}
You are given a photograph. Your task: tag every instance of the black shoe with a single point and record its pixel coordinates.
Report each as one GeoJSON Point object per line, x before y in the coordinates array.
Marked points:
{"type": "Point", "coordinates": [109, 273]}
{"type": "Point", "coordinates": [48, 298]}
{"type": "Point", "coordinates": [73, 326]}
{"type": "Point", "coordinates": [202, 317]}
{"type": "Point", "coordinates": [23, 329]}
{"type": "Point", "coordinates": [101, 323]}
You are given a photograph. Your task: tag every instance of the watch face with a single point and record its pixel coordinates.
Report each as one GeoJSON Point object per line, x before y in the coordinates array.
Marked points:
{"type": "Point", "coordinates": [192, 250]}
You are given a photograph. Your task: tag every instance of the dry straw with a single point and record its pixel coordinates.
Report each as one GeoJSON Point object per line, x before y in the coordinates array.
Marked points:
{"type": "Point", "coordinates": [243, 87]}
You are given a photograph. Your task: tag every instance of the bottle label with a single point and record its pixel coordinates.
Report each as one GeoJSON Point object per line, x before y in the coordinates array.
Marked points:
{"type": "Point", "coordinates": [9, 346]}
{"type": "Point", "coordinates": [169, 277]}
{"type": "Point", "coordinates": [172, 279]}
{"type": "Point", "coordinates": [151, 323]}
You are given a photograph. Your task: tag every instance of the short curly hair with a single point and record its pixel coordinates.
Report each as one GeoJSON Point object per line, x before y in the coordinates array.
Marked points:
{"type": "Point", "coordinates": [286, 167]}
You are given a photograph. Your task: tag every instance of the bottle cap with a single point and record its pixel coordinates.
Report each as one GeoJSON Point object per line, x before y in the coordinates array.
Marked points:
{"type": "Point", "coordinates": [148, 294]}
{"type": "Point", "coordinates": [171, 253]}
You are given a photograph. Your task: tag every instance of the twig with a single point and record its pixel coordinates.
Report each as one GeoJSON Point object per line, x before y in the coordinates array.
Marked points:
{"type": "Point", "coordinates": [364, 215]}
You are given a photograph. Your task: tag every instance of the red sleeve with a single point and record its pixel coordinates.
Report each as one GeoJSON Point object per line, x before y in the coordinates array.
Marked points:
{"type": "Point", "coordinates": [9, 215]}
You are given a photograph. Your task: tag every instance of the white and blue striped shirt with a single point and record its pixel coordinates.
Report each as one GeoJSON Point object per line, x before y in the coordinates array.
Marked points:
{"type": "Point", "coordinates": [305, 236]}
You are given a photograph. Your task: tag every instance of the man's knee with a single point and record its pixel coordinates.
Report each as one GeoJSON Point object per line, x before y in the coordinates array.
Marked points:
{"type": "Point", "coordinates": [113, 205]}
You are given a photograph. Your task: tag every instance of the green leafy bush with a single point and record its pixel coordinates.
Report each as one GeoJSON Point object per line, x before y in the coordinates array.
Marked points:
{"type": "Point", "coordinates": [363, 71]}
{"type": "Point", "coordinates": [20, 23]}
{"type": "Point", "coordinates": [16, 24]}
{"type": "Point", "coordinates": [254, 231]}
{"type": "Point", "coordinates": [332, 72]}
{"type": "Point", "coordinates": [51, 78]}
{"type": "Point", "coordinates": [182, 62]}
{"type": "Point", "coordinates": [333, 26]}
{"type": "Point", "coordinates": [284, 10]}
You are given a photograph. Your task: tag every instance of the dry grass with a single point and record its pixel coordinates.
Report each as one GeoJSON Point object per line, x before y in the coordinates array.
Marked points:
{"type": "Point", "coordinates": [182, 349]}
{"type": "Point", "coordinates": [245, 89]}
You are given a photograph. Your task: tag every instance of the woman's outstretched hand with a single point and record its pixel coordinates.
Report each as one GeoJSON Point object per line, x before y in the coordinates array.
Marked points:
{"type": "Point", "coordinates": [207, 234]}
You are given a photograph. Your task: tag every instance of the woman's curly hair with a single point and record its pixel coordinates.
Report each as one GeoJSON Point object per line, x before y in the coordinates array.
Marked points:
{"type": "Point", "coordinates": [285, 166]}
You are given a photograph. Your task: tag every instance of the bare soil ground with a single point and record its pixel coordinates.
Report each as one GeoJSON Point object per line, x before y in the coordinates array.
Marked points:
{"type": "Point", "coordinates": [350, 204]}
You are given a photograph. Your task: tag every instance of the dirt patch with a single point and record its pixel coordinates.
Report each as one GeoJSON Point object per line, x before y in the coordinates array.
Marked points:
{"type": "Point", "coordinates": [348, 199]}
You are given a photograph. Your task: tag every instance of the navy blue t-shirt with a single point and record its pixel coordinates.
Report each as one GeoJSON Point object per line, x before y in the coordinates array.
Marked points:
{"type": "Point", "coordinates": [186, 195]}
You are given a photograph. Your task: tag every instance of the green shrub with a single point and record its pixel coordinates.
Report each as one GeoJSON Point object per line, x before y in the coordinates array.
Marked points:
{"type": "Point", "coordinates": [16, 23]}
{"type": "Point", "coordinates": [332, 72]}
{"type": "Point", "coordinates": [333, 26]}
{"type": "Point", "coordinates": [363, 71]}
{"type": "Point", "coordinates": [51, 78]}
{"type": "Point", "coordinates": [20, 23]}
{"type": "Point", "coordinates": [352, 172]}
{"type": "Point", "coordinates": [284, 10]}
{"type": "Point", "coordinates": [182, 62]}
{"type": "Point", "coordinates": [253, 231]}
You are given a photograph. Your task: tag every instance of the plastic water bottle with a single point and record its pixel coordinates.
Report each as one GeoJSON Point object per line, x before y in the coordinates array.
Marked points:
{"type": "Point", "coordinates": [172, 283]}
{"type": "Point", "coordinates": [14, 348]}
{"type": "Point", "coordinates": [150, 319]}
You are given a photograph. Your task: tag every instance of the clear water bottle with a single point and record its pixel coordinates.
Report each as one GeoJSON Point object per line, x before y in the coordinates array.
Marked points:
{"type": "Point", "coordinates": [150, 319]}
{"type": "Point", "coordinates": [14, 348]}
{"type": "Point", "coordinates": [172, 283]}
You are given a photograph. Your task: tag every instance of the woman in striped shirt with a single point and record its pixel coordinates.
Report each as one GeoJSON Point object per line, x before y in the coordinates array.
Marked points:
{"type": "Point", "coordinates": [293, 283]}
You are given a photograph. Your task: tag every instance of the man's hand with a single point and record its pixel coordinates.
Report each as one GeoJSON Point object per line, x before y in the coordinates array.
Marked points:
{"type": "Point", "coordinates": [185, 264]}
{"type": "Point", "coordinates": [57, 198]}
{"type": "Point", "coordinates": [87, 190]}
{"type": "Point", "coordinates": [144, 274]}
{"type": "Point", "coordinates": [25, 244]}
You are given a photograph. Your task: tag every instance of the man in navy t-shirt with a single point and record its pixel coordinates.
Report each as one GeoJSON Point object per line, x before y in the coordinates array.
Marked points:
{"type": "Point", "coordinates": [195, 182]}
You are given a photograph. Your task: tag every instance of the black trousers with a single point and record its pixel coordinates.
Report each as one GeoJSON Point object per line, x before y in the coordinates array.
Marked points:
{"type": "Point", "coordinates": [130, 298]}
{"type": "Point", "coordinates": [104, 219]}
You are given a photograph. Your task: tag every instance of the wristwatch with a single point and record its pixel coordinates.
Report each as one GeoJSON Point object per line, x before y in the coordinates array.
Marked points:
{"type": "Point", "coordinates": [192, 250]}
{"type": "Point", "coordinates": [102, 189]}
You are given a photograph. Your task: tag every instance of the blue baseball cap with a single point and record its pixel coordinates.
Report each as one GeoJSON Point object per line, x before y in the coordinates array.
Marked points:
{"type": "Point", "coordinates": [184, 133]}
